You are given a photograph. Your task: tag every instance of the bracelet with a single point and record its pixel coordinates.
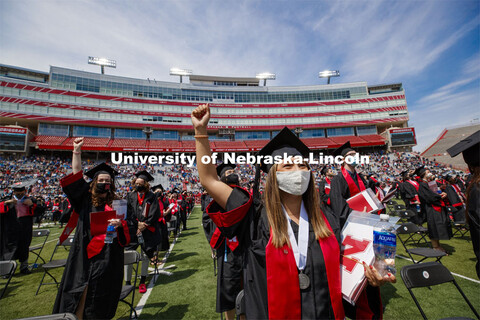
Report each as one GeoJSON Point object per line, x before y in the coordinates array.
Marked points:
{"type": "Point", "coordinates": [76, 152]}
{"type": "Point", "coordinates": [198, 136]}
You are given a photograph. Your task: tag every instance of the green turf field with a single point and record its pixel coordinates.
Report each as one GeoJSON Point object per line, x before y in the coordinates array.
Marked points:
{"type": "Point", "coordinates": [189, 293]}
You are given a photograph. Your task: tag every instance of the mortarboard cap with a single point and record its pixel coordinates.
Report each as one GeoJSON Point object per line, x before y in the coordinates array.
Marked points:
{"type": "Point", "coordinates": [221, 168]}
{"type": "Point", "coordinates": [144, 175]}
{"type": "Point", "coordinates": [158, 186]}
{"type": "Point", "coordinates": [470, 147]}
{"type": "Point", "coordinates": [285, 142]}
{"type": "Point", "coordinates": [420, 171]}
{"type": "Point", "coordinates": [404, 173]}
{"type": "Point", "coordinates": [102, 168]}
{"type": "Point", "coordinates": [19, 186]}
{"type": "Point", "coordinates": [343, 150]}
{"type": "Point", "coordinates": [324, 170]}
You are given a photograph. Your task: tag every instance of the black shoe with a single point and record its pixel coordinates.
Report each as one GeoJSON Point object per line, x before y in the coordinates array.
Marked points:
{"type": "Point", "coordinates": [25, 271]}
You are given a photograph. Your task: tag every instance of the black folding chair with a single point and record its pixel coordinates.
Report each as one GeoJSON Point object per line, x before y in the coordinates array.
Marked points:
{"type": "Point", "coordinates": [405, 214]}
{"type": "Point", "coordinates": [39, 247]}
{"type": "Point", "coordinates": [429, 274]}
{"type": "Point", "coordinates": [54, 264]}
{"type": "Point", "coordinates": [240, 304]}
{"type": "Point", "coordinates": [7, 270]}
{"type": "Point", "coordinates": [131, 257]}
{"type": "Point", "coordinates": [172, 225]}
{"type": "Point", "coordinates": [397, 207]}
{"type": "Point", "coordinates": [411, 230]}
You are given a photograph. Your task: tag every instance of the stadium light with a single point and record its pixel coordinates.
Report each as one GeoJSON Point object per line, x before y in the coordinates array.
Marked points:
{"type": "Point", "coordinates": [102, 62]}
{"type": "Point", "coordinates": [265, 76]}
{"type": "Point", "coordinates": [328, 74]}
{"type": "Point", "coordinates": [180, 72]}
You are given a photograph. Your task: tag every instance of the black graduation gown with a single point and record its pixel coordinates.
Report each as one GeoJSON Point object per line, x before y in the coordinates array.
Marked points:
{"type": "Point", "coordinates": [66, 211]}
{"type": "Point", "coordinates": [164, 243]}
{"type": "Point", "coordinates": [324, 196]}
{"type": "Point", "coordinates": [339, 194]}
{"type": "Point", "coordinates": [456, 205]}
{"type": "Point", "coordinates": [438, 224]}
{"type": "Point", "coordinates": [473, 212]}
{"type": "Point", "coordinates": [135, 213]}
{"type": "Point", "coordinates": [15, 232]}
{"type": "Point", "coordinates": [229, 264]}
{"type": "Point", "coordinates": [103, 273]}
{"type": "Point", "coordinates": [253, 234]}
{"type": "Point", "coordinates": [409, 193]}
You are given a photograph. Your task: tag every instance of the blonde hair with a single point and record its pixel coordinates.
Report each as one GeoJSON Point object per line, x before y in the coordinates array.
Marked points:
{"type": "Point", "coordinates": [276, 217]}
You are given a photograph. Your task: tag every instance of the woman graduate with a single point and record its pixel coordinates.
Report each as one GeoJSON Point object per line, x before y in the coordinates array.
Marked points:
{"type": "Point", "coordinates": [92, 280]}
{"type": "Point", "coordinates": [292, 258]}
{"type": "Point", "coordinates": [438, 223]}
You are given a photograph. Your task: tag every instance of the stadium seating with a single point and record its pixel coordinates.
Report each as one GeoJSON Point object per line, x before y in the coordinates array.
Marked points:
{"type": "Point", "coordinates": [449, 137]}
{"type": "Point", "coordinates": [319, 142]}
{"type": "Point", "coordinates": [49, 140]}
{"type": "Point", "coordinates": [129, 143]}
{"type": "Point", "coordinates": [255, 144]}
{"type": "Point", "coordinates": [233, 145]}
{"type": "Point", "coordinates": [165, 144]}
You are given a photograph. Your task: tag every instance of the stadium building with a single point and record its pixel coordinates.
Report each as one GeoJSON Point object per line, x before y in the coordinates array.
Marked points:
{"type": "Point", "coordinates": [45, 111]}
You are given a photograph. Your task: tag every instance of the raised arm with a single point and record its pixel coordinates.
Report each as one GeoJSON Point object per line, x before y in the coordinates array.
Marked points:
{"type": "Point", "coordinates": [77, 155]}
{"type": "Point", "coordinates": [218, 190]}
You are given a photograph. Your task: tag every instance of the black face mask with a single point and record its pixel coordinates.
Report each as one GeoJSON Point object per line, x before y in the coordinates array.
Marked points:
{"type": "Point", "coordinates": [140, 188]}
{"type": "Point", "coordinates": [102, 187]}
{"type": "Point", "coordinates": [231, 179]}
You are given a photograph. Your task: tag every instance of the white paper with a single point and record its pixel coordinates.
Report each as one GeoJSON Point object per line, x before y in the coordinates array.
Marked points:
{"type": "Point", "coordinates": [121, 207]}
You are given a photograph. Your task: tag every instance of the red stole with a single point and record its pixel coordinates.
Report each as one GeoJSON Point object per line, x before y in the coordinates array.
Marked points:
{"type": "Point", "coordinates": [283, 289]}
{"type": "Point", "coordinates": [218, 238]}
{"type": "Point", "coordinates": [140, 199]}
{"type": "Point", "coordinates": [327, 186]}
{"type": "Point", "coordinates": [352, 186]}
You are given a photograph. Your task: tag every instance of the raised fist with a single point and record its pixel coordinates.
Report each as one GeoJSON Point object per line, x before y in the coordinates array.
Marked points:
{"type": "Point", "coordinates": [77, 144]}
{"type": "Point", "coordinates": [201, 116]}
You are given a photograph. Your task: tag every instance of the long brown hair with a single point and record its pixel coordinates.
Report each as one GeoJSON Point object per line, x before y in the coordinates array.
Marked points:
{"type": "Point", "coordinates": [276, 217]}
{"type": "Point", "coordinates": [98, 201]}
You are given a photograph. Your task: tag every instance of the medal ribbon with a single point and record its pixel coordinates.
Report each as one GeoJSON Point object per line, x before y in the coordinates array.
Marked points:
{"type": "Point", "coordinates": [299, 250]}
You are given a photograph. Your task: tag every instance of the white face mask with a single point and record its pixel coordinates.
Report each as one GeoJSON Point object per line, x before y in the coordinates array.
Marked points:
{"type": "Point", "coordinates": [293, 182]}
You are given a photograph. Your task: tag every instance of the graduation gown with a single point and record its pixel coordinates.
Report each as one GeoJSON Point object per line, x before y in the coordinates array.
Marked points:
{"type": "Point", "coordinates": [410, 196]}
{"type": "Point", "coordinates": [144, 209]}
{"type": "Point", "coordinates": [90, 261]}
{"type": "Point", "coordinates": [456, 204]}
{"type": "Point", "coordinates": [340, 192]}
{"type": "Point", "coordinates": [438, 224]}
{"type": "Point", "coordinates": [271, 282]}
{"type": "Point", "coordinates": [229, 263]}
{"type": "Point", "coordinates": [473, 212]}
{"type": "Point", "coordinates": [164, 243]}
{"type": "Point", "coordinates": [15, 232]}
{"type": "Point", "coordinates": [324, 191]}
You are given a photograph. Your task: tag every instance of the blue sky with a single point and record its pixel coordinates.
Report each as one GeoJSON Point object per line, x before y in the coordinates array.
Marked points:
{"type": "Point", "coordinates": [432, 47]}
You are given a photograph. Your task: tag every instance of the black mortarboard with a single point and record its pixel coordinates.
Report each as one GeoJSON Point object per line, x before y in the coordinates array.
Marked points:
{"type": "Point", "coordinates": [158, 186]}
{"type": "Point", "coordinates": [144, 175]}
{"type": "Point", "coordinates": [420, 170]}
{"type": "Point", "coordinates": [175, 190]}
{"type": "Point", "coordinates": [447, 177]}
{"type": "Point", "coordinates": [324, 170]}
{"type": "Point", "coordinates": [19, 186]}
{"type": "Point", "coordinates": [221, 168]}
{"type": "Point", "coordinates": [285, 142]}
{"type": "Point", "coordinates": [470, 147]}
{"type": "Point", "coordinates": [102, 168]}
{"type": "Point", "coordinates": [404, 173]}
{"type": "Point", "coordinates": [343, 150]}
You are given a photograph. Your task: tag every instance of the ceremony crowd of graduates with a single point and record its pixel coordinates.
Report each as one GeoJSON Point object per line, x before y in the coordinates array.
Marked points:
{"type": "Point", "coordinates": [274, 229]}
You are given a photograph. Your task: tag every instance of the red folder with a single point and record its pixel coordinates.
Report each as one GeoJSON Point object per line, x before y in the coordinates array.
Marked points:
{"type": "Point", "coordinates": [366, 198]}
{"type": "Point", "coordinates": [99, 221]}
